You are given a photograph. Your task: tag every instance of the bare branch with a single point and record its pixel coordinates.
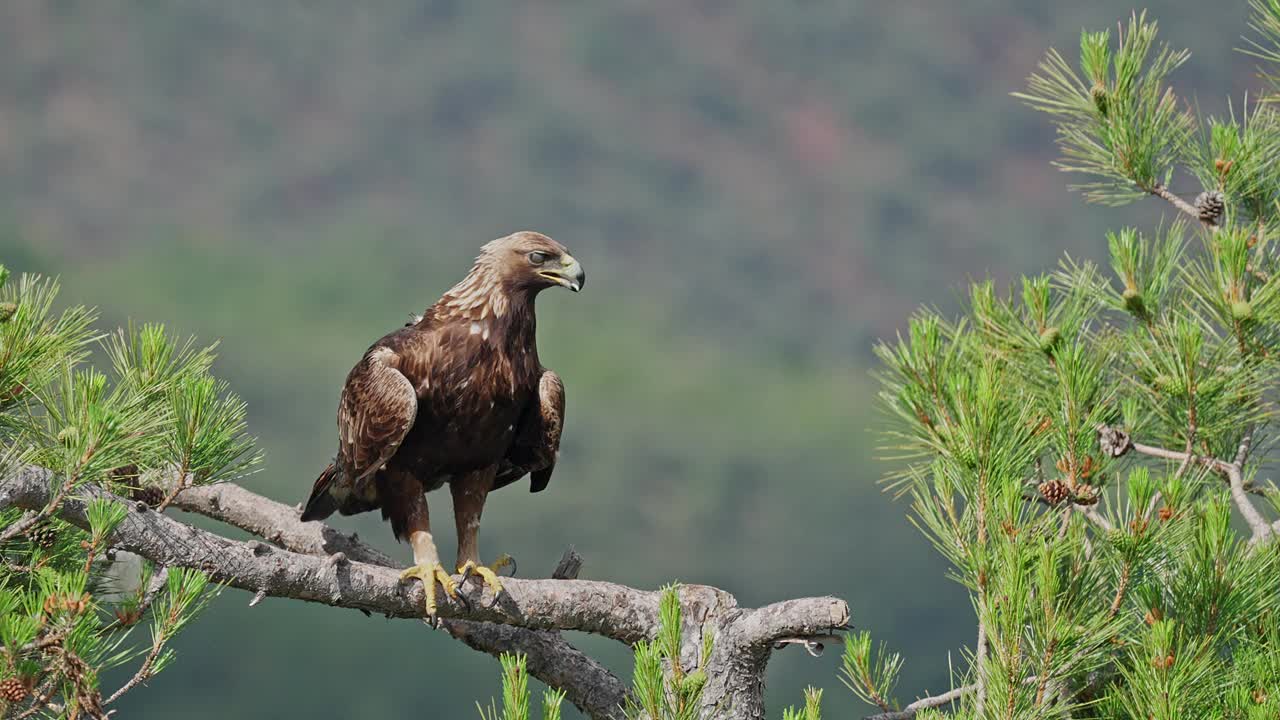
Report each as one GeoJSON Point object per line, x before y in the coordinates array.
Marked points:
{"type": "Point", "coordinates": [569, 566]}
{"type": "Point", "coordinates": [587, 684]}
{"type": "Point", "coordinates": [1180, 456]}
{"type": "Point", "coordinates": [910, 711]}
{"type": "Point", "coordinates": [744, 637]}
{"type": "Point", "coordinates": [979, 661]}
{"type": "Point", "coordinates": [1261, 529]}
{"type": "Point", "coordinates": [23, 524]}
{"type": "Point", "coordinates": [1095, 517]}
{"type": "Point", "coordinates": [590, 686]}
{"type": "Point", "coordinates": [1183, 206]}
{"type": "Point", "coordinates": [1257, 523]}
{"type": "Point", "coordinates": [275, 522]}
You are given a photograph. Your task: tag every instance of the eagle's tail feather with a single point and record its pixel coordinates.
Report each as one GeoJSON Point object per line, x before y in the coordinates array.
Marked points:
{"type": "Point", "coordinates": [322, 503]}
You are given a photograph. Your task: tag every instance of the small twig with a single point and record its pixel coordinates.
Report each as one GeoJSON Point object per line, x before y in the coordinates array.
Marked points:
{"type": "Point", "coordinates": [1180, 456]}
{"type": "Point", "coordinates": [1160, 191]}
{"type": "Point", "coordinates": [159, 578]}
{"type": "Point", "coordinates": [1118, 600]}
{"type": "Point", "coordinates": [180, 483]}
{"type": "Point", "coordinates": [1258, 525]}
{"type": "Point", "coordinates": [910, 711]}
{"type": "Point", "coordinates": [1156, 497]}
{"type": "Point", "coordinates": [24, 523]}
{"type": "Point", "coordinates": [144, 671]}
{"type": "Point", "coordinates": [569, 566]}
{"type": "Point", "coordinates": [1095, 517]}
{"type": "Point", "coordinates": [1242, 452]}
{"type": "Point", "coordinates": [979, 662]}
{"type": "Point", "coordinates": [40, 701]}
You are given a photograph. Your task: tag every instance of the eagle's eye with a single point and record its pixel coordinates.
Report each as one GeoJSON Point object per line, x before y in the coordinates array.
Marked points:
{"type": "Point", "coordinates": [537, 257]}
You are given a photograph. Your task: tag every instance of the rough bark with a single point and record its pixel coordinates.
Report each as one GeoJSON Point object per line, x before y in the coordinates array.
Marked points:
{"type": "Point", "coordinates": [315, 563]}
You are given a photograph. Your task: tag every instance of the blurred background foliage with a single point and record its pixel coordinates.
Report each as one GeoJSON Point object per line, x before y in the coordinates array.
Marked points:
{"type": "Point", "coordinates": [758, 190]}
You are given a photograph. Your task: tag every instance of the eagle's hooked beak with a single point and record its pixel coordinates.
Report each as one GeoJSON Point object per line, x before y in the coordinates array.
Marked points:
{"type": "Point", "coordinates": [569, 274]}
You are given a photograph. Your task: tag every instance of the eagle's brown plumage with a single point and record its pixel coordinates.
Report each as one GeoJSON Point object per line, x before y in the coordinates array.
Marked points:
{"type": "Point", "coordinates": [457, 397]}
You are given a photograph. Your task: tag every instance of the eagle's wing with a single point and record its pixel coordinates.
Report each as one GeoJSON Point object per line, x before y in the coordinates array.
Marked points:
{"type": "Point", "coordinates": [377, 408]}
{"type": "Point", "coordinates": [537, 441]}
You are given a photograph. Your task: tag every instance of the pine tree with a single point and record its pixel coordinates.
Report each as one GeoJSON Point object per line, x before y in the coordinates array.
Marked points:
{"type": "Point", "coordinates": [158, 421]}
{"type": "Point", "coordinates": [1086, 452]}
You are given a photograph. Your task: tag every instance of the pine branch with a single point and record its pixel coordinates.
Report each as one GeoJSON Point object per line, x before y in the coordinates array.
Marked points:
{"type": "Point", "coordinates": [275, 522]}
{"type": "Point", "coordinates": [41, 700]}
{"type": "Point", "coordinates": [591, 687]}
{"type": "Point", "coordinates": [1095, 517]}
{"type": "Point", "coordinates": [744, 637]}
{"type": "Point", "coordinates": [910, 711]}
{"type": "Point", "coordinates": [33, 517]}
{"type": "Point", "coordinates": [1186, 208]}
{"type": "Point", "coordinates": [1262, 530]}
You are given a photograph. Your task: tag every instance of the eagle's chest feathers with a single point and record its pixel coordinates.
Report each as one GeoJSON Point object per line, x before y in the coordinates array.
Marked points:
{"type": "Point", "coordinates": [473, 390]}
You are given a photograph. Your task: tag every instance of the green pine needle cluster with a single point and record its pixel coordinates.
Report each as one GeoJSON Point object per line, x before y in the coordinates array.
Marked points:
{"type": "Point", "coordinates": [812, 709]}
{"type": "Point", "coordinates": [70, 608]}
{"type": "Point", "coordinates": [1111, 580]}
{"type": "Point", "coordinates": [1118, 119]}
{"type": "Point", "coordinates": [515, 694]}
{"type": "Point", "coordinates": [870, 672]}
{"type": "Point", "coordinates": [665, 686]}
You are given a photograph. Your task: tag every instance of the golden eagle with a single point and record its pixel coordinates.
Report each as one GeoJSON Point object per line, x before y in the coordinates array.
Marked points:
{"type": "Point", "coordinates": [457, 397]}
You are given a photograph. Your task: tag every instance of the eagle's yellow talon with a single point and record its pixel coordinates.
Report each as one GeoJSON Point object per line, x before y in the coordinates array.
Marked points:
{"type": "Point", "coordinates": [488, 573]}
{"type": "Point", "coordinates": [429, 574]}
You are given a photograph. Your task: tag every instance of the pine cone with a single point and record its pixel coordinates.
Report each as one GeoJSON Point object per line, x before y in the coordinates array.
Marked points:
{"type": "Point", "coordinates": [1114, 441]}
{"type": "Point", "coordinates": [149, 494]}
{"type": "Point", "coordinates": [13, 690]}
{"type": "Point", "coordinates": [124, 473]}
{"type": "Point", "coordinates": [43, 536]}
{"type": "Point", "coordinates": [1054, 492]}
{"type": "Point", "coordinates": [1210, 205]}
{"type": "Point", "coordinates": [1086, 495]}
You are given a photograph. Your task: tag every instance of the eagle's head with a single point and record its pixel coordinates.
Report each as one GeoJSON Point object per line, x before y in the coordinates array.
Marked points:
{"type": "Point", "coordinates": [531, 261]}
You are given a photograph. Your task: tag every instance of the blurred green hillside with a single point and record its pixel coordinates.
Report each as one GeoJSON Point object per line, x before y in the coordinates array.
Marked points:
{"type": "Point", "coordinates": [758, 190]}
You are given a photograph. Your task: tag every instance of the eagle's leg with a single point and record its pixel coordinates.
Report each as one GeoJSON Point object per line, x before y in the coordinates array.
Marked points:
{"type": "Point", "coordinates": [469, 493]}
{"type": "Point", "coordinates": [426, 559]}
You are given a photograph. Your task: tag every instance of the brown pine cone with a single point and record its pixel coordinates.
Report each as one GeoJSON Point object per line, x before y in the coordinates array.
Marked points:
{"type": "Point", "coordinates": [124, 473]}
{"type": "Point", "coordinates": [1054, 492]}
{"type": "Point", "coordinates": [1114, 441]}
{"type": "Point", "coordinates": [1210, 205]}
{"type": "Point", "coordinates": [13, 690]}
{"type": "Point", "coordinates": [149, 494]}
{"type": "Point", "coordinates": [1086, 494]}
{"type": "Point", "coordinates": [43, 536]}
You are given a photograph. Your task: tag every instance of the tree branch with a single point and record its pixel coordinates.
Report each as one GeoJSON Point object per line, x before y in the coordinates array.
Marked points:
{"type": "Point", "coordinates": [1185, 207]}
{"type": "Point", "coordinates": [910, 711]}
{"type": "Point", "coordinates": [744, 637]}
{"type": "Point", "coordinates": [275, 522]}
{"type": "Point", "coordinates": [590, 686]}
{"type": "Point", "coordinates": [1261, 529]}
